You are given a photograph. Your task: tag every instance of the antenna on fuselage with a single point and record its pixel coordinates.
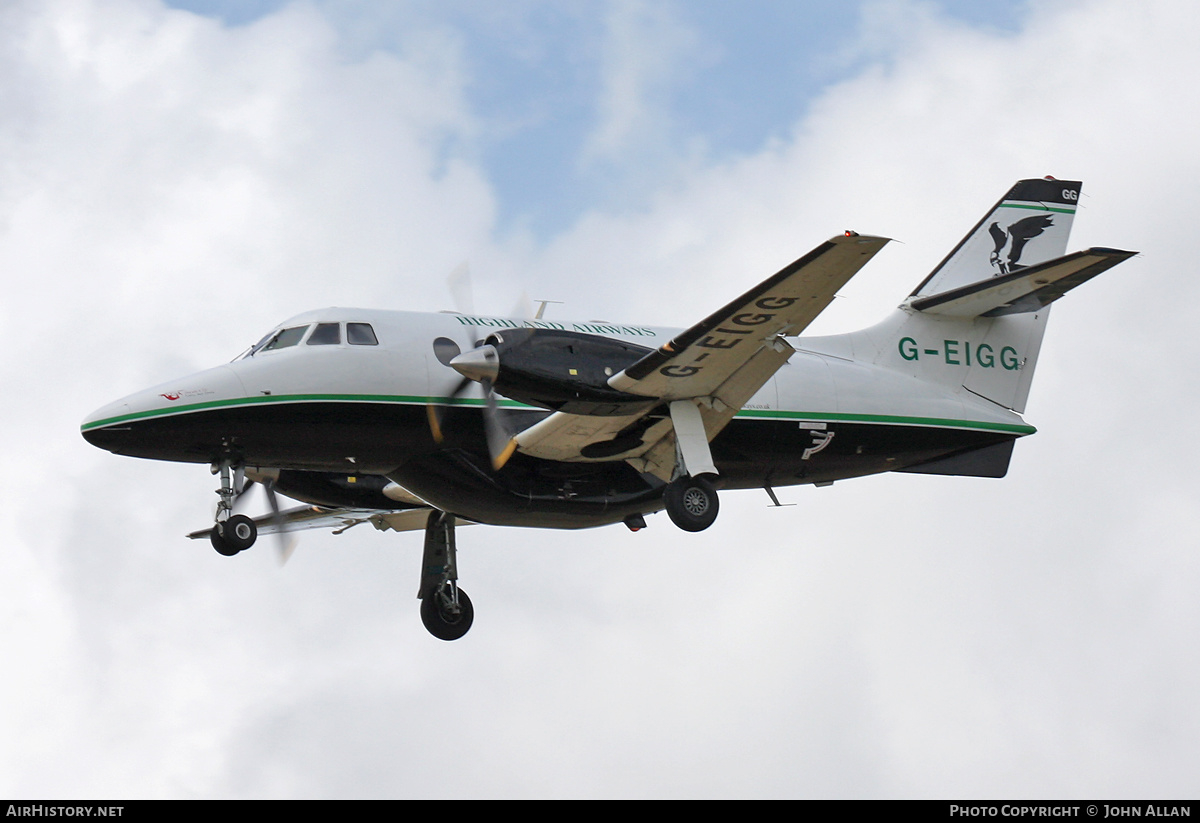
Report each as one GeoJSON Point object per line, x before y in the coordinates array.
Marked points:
{"type": "Point", "coordinates": [542, 307]}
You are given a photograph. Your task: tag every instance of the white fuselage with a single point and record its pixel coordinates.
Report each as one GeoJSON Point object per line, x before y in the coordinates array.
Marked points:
{"type": "Point", "coordinates": [343, 407]}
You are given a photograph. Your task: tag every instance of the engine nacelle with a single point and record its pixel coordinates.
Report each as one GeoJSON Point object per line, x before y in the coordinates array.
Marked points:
{"type": "Point", "coordinates": [558, 370]}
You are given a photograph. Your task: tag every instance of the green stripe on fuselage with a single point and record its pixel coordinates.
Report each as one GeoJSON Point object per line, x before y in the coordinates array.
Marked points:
{"type": "Point", "coordinates": [400, 399]}
{"type": "Point", "coordinates": [839, 417]}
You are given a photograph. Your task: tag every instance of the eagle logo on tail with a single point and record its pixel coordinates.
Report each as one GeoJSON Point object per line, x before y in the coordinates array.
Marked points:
{"type": "Point", "coordinates": [1014, 239]}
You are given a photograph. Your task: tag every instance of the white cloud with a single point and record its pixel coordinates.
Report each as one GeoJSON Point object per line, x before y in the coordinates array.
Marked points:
{"type": "Point", "coordinates": [643, 50]}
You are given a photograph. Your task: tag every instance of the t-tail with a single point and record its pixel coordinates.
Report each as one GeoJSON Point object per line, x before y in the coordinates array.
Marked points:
{"type": "Point", "coordinates": [1029, 225]}
{"type": "Point", "coordinates": [975, 324]}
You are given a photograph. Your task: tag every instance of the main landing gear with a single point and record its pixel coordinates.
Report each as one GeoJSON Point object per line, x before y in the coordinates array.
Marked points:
{"type": "Point", "coordinates": [446, 610]}
{"type": "Point", "coordinates": [691, 503]}
{"type": "Point", "coordinates": [231, 533]}
{"type": "Point", "coordinates": [690, 499]}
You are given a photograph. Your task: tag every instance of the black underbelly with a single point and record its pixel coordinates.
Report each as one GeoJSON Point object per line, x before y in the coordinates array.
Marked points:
{"type": "Point", "coordinates": [394, 440]}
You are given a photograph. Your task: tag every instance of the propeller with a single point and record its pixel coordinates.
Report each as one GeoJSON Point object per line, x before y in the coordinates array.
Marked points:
{"type": "Point", "coordinates": [287, 543]}
{"type": "Point", "coordinates": [458, 282]}
{"type": "Point", "coordinates": [461, 289]}
{"type": "Point", "coordinates": [499, 435]}
{"type": "Point", "coordinates": [479, 365]}
{"type": "Point", "coordinates": [445, 350]}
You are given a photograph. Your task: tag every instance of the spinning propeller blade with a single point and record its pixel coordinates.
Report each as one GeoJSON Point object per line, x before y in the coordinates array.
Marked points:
{"type": "Point", "coordinates": [287, 543]}
{"type": "Point", "coordinates": [478, 365]}
{"type": "Point", "coordinates": [499, 436]}
{"type": "Point", "coordinates": [445, 350]}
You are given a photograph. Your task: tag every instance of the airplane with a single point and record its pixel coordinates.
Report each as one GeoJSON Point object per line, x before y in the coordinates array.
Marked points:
{"type": "Point", "coordinates": [412, 421]}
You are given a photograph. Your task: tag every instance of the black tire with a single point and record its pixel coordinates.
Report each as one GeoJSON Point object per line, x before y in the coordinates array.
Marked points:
{"type": "Point", "coordinates": [218, 543]}
{"type": "Point", "coordinates": [445, 626]}
{"type": "Point", "coordinates": [691, 503]}
{"type": "Point", "coordinates": [238, 532]}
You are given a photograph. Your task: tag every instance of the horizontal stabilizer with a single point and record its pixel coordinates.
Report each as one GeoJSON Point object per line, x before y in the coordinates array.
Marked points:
{"type": "Point", "coordinates": [1025, 290]}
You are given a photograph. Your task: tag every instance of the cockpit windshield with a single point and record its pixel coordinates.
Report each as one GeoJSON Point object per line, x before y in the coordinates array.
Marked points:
{"type": "Point", "coordinates": [285, 338]}
{"type": "Point", "coordinates": [323, 334]}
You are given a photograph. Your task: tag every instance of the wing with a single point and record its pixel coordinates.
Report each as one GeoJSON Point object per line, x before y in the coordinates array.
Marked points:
{"type": "Point", "coordinates": [320, 517]}
{"type": "Point", "coordinates": [719, 364]}
{"type": "Point", "coordinates": [702, 358]}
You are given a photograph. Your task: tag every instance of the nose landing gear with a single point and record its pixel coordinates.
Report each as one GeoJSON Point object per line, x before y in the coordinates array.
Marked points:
{"type": "Point", "coordinates": [231, 533]}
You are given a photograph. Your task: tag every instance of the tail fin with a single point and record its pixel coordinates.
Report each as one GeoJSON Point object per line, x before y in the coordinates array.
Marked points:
{"type": "Point", "coordinates": [1027, 229]}
{"type": "Point", "coordinates": [975, 324]}
{"type": "Point", "coordinates": [1029, 225]}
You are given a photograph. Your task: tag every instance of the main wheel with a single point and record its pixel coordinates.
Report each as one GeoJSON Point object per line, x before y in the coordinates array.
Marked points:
{"type": "Point", "coordinates": [441, 622]}
{"type": "Point", "coordinates": [691, 503]}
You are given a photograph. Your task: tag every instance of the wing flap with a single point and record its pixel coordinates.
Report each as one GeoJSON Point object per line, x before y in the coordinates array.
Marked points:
{"type": "Point", "coordinates": [565, 437]}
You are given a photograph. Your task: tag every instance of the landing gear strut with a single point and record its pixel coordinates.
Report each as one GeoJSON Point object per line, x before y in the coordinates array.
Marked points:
{"type": "Point", "coordinates": [691, 500]}
{"type": "Point", "coordinates": [446, 610]}
{"type": "Point", "coordinates": [231, 533]}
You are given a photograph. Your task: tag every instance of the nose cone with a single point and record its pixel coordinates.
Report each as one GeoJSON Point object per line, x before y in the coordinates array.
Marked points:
{"type": "Point", "coordinates": [479, 364]}
{"type": "Point", "coordinates": [142, 424]}
{"type": "Point", "coordinates": [106, 418]}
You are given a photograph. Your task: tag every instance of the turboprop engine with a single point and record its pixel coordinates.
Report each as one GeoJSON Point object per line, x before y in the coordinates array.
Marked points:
{"type": "Point", "coordinates": [558, 370]}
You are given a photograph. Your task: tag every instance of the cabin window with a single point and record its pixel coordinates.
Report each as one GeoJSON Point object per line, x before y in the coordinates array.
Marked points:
{"type": "Point", "coordinates": [361, 334]}
{"type": "Point", "coordinates": [286, 337]}
{"type": "Point", "coordinates": [325, 334]}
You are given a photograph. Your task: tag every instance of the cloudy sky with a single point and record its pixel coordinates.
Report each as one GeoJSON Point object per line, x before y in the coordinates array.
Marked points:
{"type": "Point", "coordinates": [175, 178]}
